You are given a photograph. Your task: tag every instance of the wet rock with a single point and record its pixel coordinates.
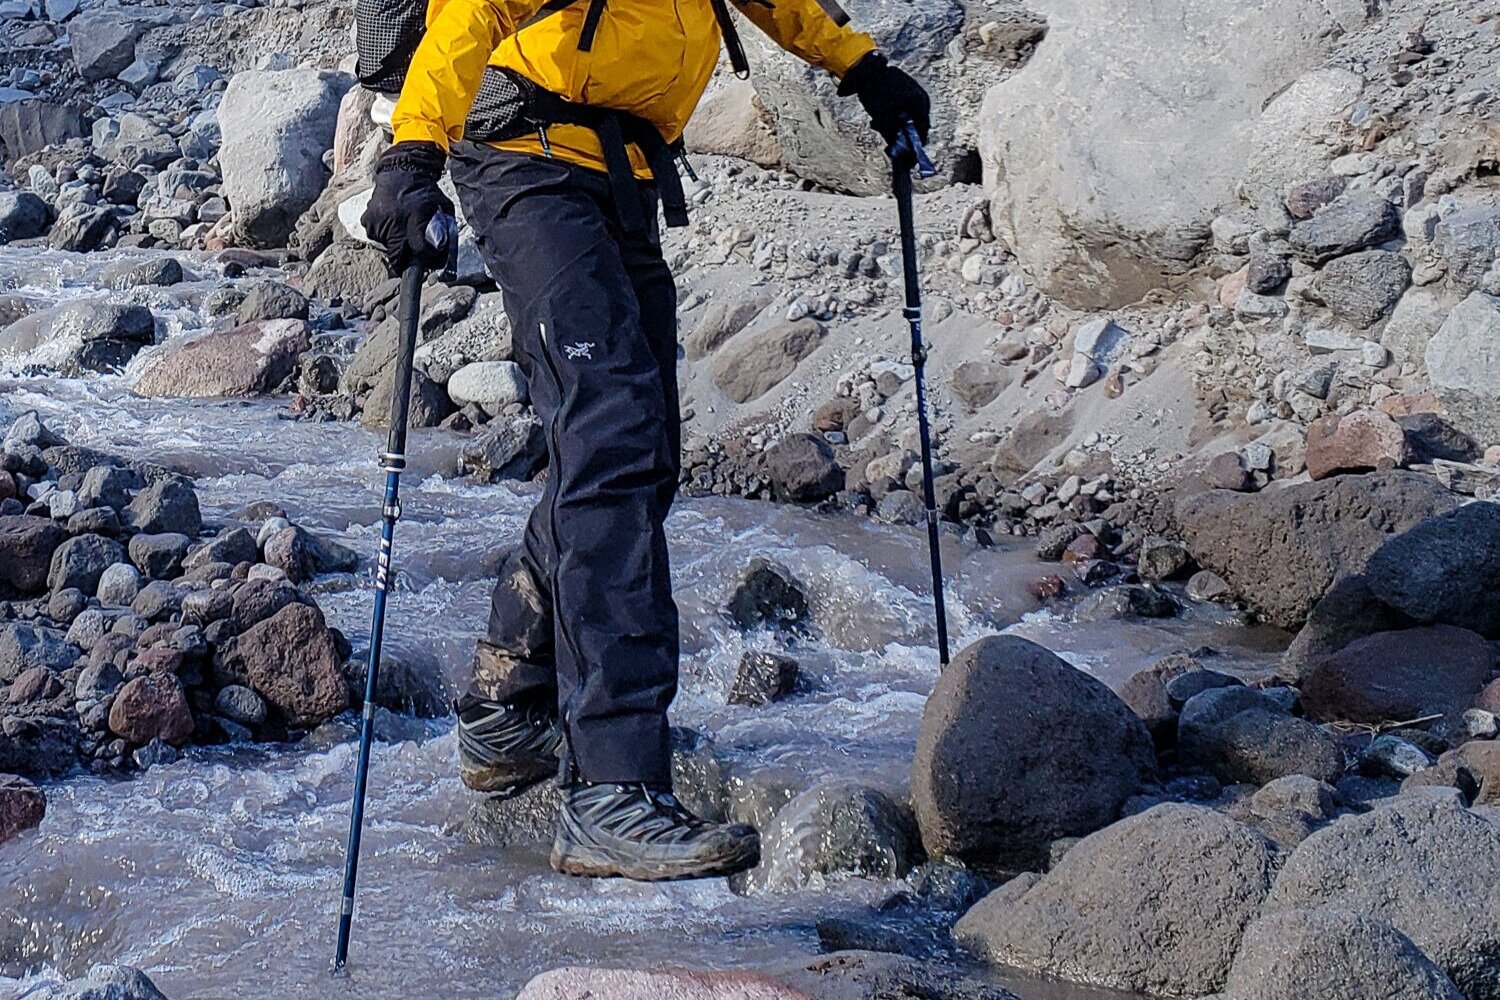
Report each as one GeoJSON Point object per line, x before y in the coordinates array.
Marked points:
{"type": "Point", "coordinates": [80, 228]}
{"type": "Point", "coordinates": [572, 982]}
{"type": "Point", "coordinates": [268, 300]}
{"type": "Point", "coordinates": [118, 585]}
{"type": "Point", "coordinates": [168, 505]}
{"type": "Point", "coordinates": [493, 385]}
{"type": "Point", "coordinates": [292, 660]}
{"type": "Point", "coordinates": [152, 707]}
{"type": "Point", "coordinates": [767, 594]}
{"type": "Point", "coordinates": [1356, 442]}
{"type": "Point", "coordinates": [240, 704]}
{"type": "Point", "coordinates": [1353, 222]}
{"type": "Point", "coordinates": [85, 334]}
{"type": "Point", "coordinates": [1290, 809]}
{"type": "Point", "coordinates": [277, 124]}
{"type": "Point", "coordinates": [528, 819]}
{"type": "Point", "coordinates": [802, 469]}
{"type": "Point", "coordinates": [1017, 749]}
{"type": "Point", "coordinates": [1444, 570]}
{"type": "Point", "coordinates": [1332, 954]}
{"type": "Point", "coordinates": [1281, 550]}
{"type": "Point", "coordinates": [80, 561]}
{"type": "Point", "coordinates": [1161, 559]}
{"type": "Point", "coordinates": [762, 678]}
{"type": "Point", "coordinates": [159, 273]}
{"type": "Point", "coordinates": [248, 360]}
{"type": "Point", "coordinates": [1155, 903]}
{"type": "Point", "coordinates": [1126, 601]}
{"type": "Point", "coordinates": [836, 828]}
{"type": "Point", "coordinates": [290, 550]}
{"type": "Point", "coordinates": [22, 806]}
{"type": "Point", "coordinates": [756, 363]}
{"type": "Point", "coordinates": [27, 545]}
{"type": "Point", "coordinates": [901, 507]}
{"type": "Point", "coordinates": [159, 556]}
{"type": "Point", "coordinates": [103, 43]}
{"type": "Point", "coordinates": [104, 982]}
{"type": "Point", "coordinates": [1422, 865]}
{"type": "Point", "coordinates": [1394, 676]}
{"type": "Point", "coordinates": [506, 448]}
{"type": "Point", "coordinates": [1362, 287]}
{"type": "Point", "coordinates": [23, 216]}
{"type": "Point", "coordinates": [1473, 769]}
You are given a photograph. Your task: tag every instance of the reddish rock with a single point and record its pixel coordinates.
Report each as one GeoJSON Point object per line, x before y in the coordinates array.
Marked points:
{"type": "Point", "coordinates": [1359, 442]}
{"type": "Point", "coordinates": [26, 547]}
{"type": "Point", "coordinates": [1489, 698]}
{"type": "Point", "coordinates": [35, 684]}
{"type": "Point", "coordinates": [1084, 548]}
{"type": "Point", "coordinates": [1232, 285]}
{"type": "Point", "coordinates": [22, 806]}
{"type": "Point", "coordinates": [1225, 471]}
{"type": "Point", "coordinates": [158, 660]}
{"type": "Point", "coordinates": [1396, 676]}
{"type": "Point", "coordinates": [578, 983]}
{"type": "Point", "coordinates": [7, 486]}
{"type": "Point", "coordinates": [1473, 768]}
{"type": "Point", "coordinates": [1048, 588]}
{"type": "Point", "coordinates": [292, 661]}
{"type": "Point", "coordinates": [1406, 404]}
{"type": "Point", "coordinates": [151, 707]}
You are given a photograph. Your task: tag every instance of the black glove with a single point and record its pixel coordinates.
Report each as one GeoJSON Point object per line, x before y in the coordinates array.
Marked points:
{"type": "Point", "coordinates": [405, 202]}
{"type": "Point", "coordinates": [890, 95]}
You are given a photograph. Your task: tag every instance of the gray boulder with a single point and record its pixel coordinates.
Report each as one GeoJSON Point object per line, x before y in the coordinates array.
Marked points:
{"type": "Point", "coordinates": [27, 126]}
{"type": "Point", "coordinates": [506, 448]}
{"type": "Point", "coordinates": [1016, 749]}
{"type": "Point", "coordinates": [85, 334]}
{"type": "Point", "coordinates": [26, 547]}
{"type": "Point", "coordinates": [103, 43]}
{"type": "Point", "coordinates": [1155, 903]}
{"type": "Point", "coordinates": [79, 562]}
{"type": "Point", "coordinates": [1331, 954]}
{"type": "Point", "coordinates": [1395, 676]}
{"type": "Point", "coordinates": [248, 360]}
{"type": "Point", "coordinates": [133, 140]}
{"type": "Point", "coordinates": [80, 228]}
{"type": "Point", "coordinates": [802, 469]}
{"type": "Point", "coordinates": [1469, 241]}
{"type": "Point", "coordinates": [1356, 221]}
{"type": "Point", "coordinates": [755, 363]}
{"type": "Point", "coordinates": [168, 505]}
{"type": "Point", "coordinates": [1281, 550]}
{"type": "Point", "coordinates": [270, 300]}
{"type": "Point", "coordinates": [1421, 864]}
{"type": "Point", "coordinates": [1099, 217]}
{"type": "Point", "coordinates": [23, 216]}
{"type": "Point", "coordinates": [836, 828]}
{"type": "Point", "coordinates": [1468, 386]}
{"type": "Point", "coordinates": [1445, 570]}
{"type": "Point", "coordinates": [494, 385]}
{"type": "Point", "coordinates": [103, 982]}
{"type": "Point", "coordinates": [1362, 287]}
{"type": "Point", "coordinates": [26, 647]}
{"type": "Point", "coordinates": [277, 124]}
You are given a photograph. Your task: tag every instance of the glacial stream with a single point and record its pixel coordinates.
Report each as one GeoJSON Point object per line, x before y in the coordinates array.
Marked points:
{"type": "Point", "coordinates": [219, 874]}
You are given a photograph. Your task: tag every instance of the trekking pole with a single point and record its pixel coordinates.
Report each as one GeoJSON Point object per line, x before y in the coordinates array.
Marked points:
{"type": "Point", "coordinates": [393, 462]}
{"type": "Point", "coordinates": [906, 154]}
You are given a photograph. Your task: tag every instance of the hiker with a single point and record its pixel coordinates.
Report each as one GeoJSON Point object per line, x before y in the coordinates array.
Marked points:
{"type": "Point", "coordinates": [561, 124]}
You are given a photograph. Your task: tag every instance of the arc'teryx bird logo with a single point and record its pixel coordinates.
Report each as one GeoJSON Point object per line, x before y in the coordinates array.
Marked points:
{"type": "Point", "coordinates": [579, 350]}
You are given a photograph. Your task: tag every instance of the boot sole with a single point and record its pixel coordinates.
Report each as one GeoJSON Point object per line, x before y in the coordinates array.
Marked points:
{"type": "Point", "coordinates": [507, 778]}
{"type": "Point", "coordinates": [601, 864]}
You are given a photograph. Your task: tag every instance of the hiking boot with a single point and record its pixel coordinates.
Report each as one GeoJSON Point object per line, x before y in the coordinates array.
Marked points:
{"type": "Point", "coordinates": [636, 832]}
{"type": "Point", "coordinates": [506, 746]}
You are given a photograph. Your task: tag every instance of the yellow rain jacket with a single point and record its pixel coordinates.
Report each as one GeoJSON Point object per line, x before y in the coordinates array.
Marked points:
{"type": "Point", "coordinates": [652, 58]}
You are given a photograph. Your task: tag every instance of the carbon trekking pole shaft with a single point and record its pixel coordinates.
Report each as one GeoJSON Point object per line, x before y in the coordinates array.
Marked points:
{"type": "Point", "coordinates": [906, 154]}
{"type": "Point", "coordinates": [393, 462]}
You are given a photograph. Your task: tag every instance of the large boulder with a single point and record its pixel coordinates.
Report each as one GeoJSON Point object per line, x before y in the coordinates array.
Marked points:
{"type": "Point", "coordinates": [755, 363]}
{"type": "Point", "coordinates": [1354, 442]}
{"type": "Point", "coordinates": [86, 334]}
{"type": "Point", "coordinates": [248, 360]}
{"type": "Point", "coordinates": [1332, 954]}
{"type": "Point", "coordinates": [291, 659]}
{"type": "Point", "coordinates": [153, 707]}
{"type": "Point", "coordinates": [103, 43]}
{"type": "Point", "coordinates": [28, 126]}
{"type": "Point", "coordinates": [79, 562]}
{"type": "Point", "coordinates": [277, 124]}
{"type": "Point", "coordinates": [1467, 384]}
{"type": "Point", "coordinates": [1099, 216]}
{"type": "Point", "coordinates": [1016, 749]}
{"type": "Point", "coordinates": [26, 547]}
{"type": "Point", "coordinates": [826, 138]}
{"type": "Point", "coordinates": [837, 827]}
{"type": "Point", "coordinates": [1445, 570]}
{"type": "Point", "coordinates": [1424, 865]}
{"type": "Point", "coordinates": [1395, 676]}
{"type": "Point", "coordinates": [103, 982]}
{"type": "Point", "coordinates": [22, 216]}
{"type": "Point", "coordinates": [1155, 903]}
{"type": "Point", "coordinates": [1282, 549]}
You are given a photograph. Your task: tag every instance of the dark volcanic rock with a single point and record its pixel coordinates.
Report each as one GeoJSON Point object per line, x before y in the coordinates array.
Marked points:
{"type": "Point", "coordinates": [838, 827]}
{"type": "Point", "coordinates": [763, 677]}
{"type": "Point", "coordinates": [767, 594]}
{"type": "Point", "coordinates": [167, 506]}
{"type": "Point", "coordinates": [22, 806]}
{"type": "Point", "coordinates": [1018, 749]}
{"type": "Point", "coordinates": [292, 660]}
{"type": "Point", "coordinates": [80, 561]}
{"type": "Point", "coordinates": [1281, 550]}
{"type": "Point", "coordinates": [802, 469]}
{"type": "Point", "coordinates": [1394, 676]}
{"type": "Point", "coordinates": [26, 548]}
{"type": "Point", "coordinates": [152, 707]}
{"type": "Point", "coordinates": [1445, 570]}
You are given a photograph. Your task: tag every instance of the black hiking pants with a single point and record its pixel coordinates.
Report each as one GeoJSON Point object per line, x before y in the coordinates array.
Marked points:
{"type": "Point", "coordinates": [582, 612]}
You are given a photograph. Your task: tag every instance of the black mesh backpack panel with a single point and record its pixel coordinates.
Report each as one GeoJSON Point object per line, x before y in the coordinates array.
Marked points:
{"type": "Point", "coordinates": [386, 34]}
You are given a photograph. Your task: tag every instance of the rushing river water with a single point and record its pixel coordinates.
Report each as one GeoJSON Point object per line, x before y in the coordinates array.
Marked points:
{"type": "Point", "coordinates": [219, 874]}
